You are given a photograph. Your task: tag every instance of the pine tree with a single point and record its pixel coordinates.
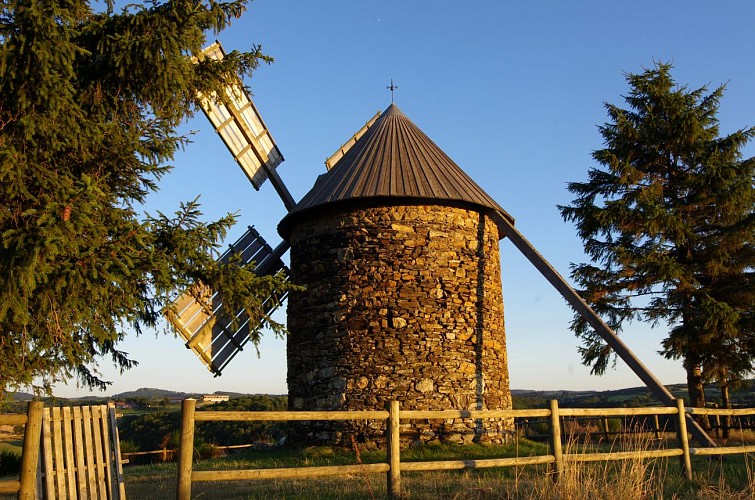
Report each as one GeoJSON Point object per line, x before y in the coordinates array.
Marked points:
{"type": "Point", "coordinates": [90, 102]}
{"type": "Point", "coordinates": [667, 221]}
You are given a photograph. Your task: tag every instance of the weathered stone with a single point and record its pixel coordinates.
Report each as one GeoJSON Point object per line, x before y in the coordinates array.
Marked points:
{"type": "Point", "coordinates": [424, 385]}
{"type": "Point", "coordinates": [401, 228]}
{"type": "Point", "coordinates": [467, 368]}
{"type": "Point", "coordinates": [362, 382]}
{"type": "Point", "coordinates": [398, 323]}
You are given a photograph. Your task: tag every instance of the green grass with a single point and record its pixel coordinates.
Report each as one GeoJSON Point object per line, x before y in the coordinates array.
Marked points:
{"type": "Point", "coordinates": [321, 455]}
{"type": "Point", "coordinates": [732, 478]}
{"type": "Point", "coordinates": [10, 463]}
{"type": "Point", "coordinates": [11, 446]}
{"type": "Point", "coordinates": [158, 481]}
{"type": "Point", "coordinates": [10, 458]}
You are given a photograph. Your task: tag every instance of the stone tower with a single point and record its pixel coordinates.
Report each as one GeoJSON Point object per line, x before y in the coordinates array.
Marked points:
{"type": "Point", "coordinates": [398, 250]}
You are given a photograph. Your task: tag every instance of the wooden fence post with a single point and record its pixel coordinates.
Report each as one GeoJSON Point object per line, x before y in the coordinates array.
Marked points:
{"type": "Point", "coordinates": [119, 485]}
{"type": "Point", "coordinates": [394, 450]}
{"type": "Point", "coordinates": [717, 419]}
{"type": "Point", "coordinates": [605, 428]}
{"type": "Point", "coordinates": [555, 441]}
{"type": "Point", "coordinates": [186, 449]}
{"type": "Point", "coordinates": [30, 453]}
{"type": "Point", "coordinates": [657, 427]}
{"type": "Point", "coordinates": [681, 432]}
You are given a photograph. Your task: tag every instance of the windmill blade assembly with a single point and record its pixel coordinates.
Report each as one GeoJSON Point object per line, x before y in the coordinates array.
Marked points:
{"type": "Point", "coordinates": [196, 314]}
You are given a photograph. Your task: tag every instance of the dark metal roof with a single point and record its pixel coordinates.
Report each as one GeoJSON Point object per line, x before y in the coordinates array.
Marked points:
{"type": "Point", "coordinates": [393, 159]}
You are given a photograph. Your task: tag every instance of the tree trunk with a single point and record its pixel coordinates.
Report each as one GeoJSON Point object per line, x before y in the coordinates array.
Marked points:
{"type": "Point", "coordinates": [696, 390]}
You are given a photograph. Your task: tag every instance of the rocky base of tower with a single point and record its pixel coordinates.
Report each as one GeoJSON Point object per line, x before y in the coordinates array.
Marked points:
{"type": "Point", "coordinates": [401, 303]}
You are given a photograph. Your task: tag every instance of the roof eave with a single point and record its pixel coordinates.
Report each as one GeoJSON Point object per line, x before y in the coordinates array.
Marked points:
{"type": "Point", "coordinates": [497, 214]}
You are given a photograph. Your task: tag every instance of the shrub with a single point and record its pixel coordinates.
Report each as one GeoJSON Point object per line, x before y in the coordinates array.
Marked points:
{"type": "Point", "coordinates": [10, 462]}
{"type": "Point", "coordinates": [128, 446]}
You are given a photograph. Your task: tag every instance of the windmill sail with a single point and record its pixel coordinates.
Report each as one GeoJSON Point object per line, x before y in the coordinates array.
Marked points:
{"type": "Point", "coordinates": [238, 122]}
{"type": "Point", "coordinates": [214, 334]}
{"type": "Point", "coordinates": [198, 313]}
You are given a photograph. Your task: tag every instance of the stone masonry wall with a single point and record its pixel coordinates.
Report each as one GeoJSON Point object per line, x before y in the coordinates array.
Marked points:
{"type": "Point", "coordinates": [401, 303]}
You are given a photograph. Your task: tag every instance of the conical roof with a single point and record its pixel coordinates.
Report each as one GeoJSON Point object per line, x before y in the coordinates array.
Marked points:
{"type": "Point", "coordinates": [393, 161]}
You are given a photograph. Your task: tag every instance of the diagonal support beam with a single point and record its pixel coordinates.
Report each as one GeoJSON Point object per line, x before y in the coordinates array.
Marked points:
{"type": "Point", "coordinates": [572, 297]}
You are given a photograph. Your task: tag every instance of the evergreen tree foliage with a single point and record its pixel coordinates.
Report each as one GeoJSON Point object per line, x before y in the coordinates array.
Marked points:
{"type": "Point", "coordinates": [90, 102]}
{"type": "Point", "coordinates": [667, 221]}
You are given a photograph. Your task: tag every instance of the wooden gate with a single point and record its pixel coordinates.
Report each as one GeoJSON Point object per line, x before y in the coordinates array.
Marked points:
{"type": "Point", "coordinates": [80, 454]}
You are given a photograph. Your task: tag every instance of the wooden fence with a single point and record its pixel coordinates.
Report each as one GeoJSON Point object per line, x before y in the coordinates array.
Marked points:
{"type": "Point", "coordinates": [168, 454]}
{"type": "Point", "coordinates": [394, 466]}
{"type": "Point", "coordinates": [68, 453]}
{"type": "Point", "coordinates": [80, 453]}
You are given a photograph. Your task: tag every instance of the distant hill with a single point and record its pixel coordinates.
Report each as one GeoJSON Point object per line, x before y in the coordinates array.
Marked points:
{"type": "Point", "coordinates": [743, 396]}
{"type": "Point", "coordinates": [151, 393]}
{"type": "Point", "coordinates": [242, 394]}
{"type": "Point", "coordinates": [21, 396]}
{"type": "Point", "coordinates": [630, 396]}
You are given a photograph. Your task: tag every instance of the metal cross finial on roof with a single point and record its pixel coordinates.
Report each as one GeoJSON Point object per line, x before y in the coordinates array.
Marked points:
{"type": "Point", "coordinates": [392, 87]}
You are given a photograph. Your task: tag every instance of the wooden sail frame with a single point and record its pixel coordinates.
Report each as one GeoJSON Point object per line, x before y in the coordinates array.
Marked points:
{"type": "Point", "coordinates": [239, 123]}
{"type": "Point", "coordinates": [215, 335]}
{"type": "Point", "coordinates": [198, 314]}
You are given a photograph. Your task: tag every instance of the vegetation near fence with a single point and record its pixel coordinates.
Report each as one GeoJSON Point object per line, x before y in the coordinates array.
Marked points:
{"type": "Point", "coordinates": [153, 436]}
{"type": "Point", "coordinates": [393, 466]}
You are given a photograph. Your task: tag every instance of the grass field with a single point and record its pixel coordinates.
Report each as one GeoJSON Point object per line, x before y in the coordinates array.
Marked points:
{"type": "Point", "coordinates": [731, 478]}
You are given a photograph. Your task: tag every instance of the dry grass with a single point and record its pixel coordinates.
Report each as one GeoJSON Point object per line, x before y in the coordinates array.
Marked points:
{"type": "Point", "coordinates": [639, 478]}
{"type": "Point", "coordinates": [624, 480]}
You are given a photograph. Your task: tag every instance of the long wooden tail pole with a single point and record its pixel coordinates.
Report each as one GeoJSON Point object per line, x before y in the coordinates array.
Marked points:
{"type": "Point", "coordinates": [606, 333]}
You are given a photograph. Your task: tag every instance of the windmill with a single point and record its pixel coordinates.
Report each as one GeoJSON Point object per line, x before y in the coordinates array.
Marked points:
{"type": "Point", "coordinates": [239, 124]}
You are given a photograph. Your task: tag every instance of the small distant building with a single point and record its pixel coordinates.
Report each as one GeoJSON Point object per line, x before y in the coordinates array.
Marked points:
{"type": "Point", "coordinates": [215, 398]}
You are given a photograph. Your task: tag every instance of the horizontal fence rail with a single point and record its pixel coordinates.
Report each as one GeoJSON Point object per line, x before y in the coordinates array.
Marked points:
{"type": "Point", "coordinates": [252, 416]}
{"type": "Point", "coordinates": [721, 411]}
{"type": "Point", "coordinates": [14, 419]}
{"type": "Point", "coordinates": [394, 466]}
{"type": "Point", "coordinates": [615, 412]}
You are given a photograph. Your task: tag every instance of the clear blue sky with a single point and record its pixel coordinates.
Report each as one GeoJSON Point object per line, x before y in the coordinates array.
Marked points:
{"type": "Point", "coordinates": [511, 91]}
